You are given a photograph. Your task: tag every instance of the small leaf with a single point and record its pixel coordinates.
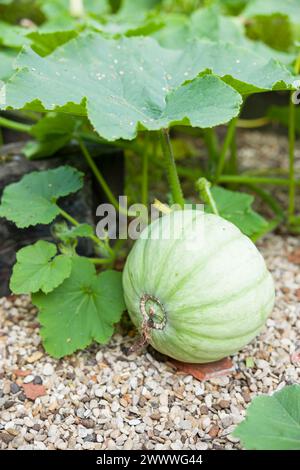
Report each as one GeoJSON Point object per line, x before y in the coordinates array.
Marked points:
{"type": "Point", "coordinates": [272, 422]}
{"type": "Point", "coordinates": [236, 207]}
{"type": "Point", "coordinates": [38, 268]}
{"type": "Point", "coordinates": [32, 200]}
{"type": "Point", "coordinates": [81, 310]}
{"type": "Point", "coordinates": [65, 233]}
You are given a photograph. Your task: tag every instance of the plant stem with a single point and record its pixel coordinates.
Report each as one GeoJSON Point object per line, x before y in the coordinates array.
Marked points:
{"type": "Point", "coordinates": [203, 187]}
{"type": "Point", "coordinates": [100, 178]}
{"type": "Point", "coordinates": [292, 184]}
{"type": "Point", "coordinates": [253, 123]}
{"type": "Point", "coordinates": [211, 142]}
{"type": "Point", "coordinates": [171, 168]}
{"type": "Point", "coordinates": [68, 217]}
{"type": "Point", "coordinates": [17, 126]}
{"type": "Point", "coordinates": [256, 180]}
{"type": "Point", "coordinates": [145, 167]}
{"type": "Point", "coordinates": [270, 201]}
{"type": "Point", "coordinates": [101, 260]}
{"type": "Point", "coordinates": [74, 222]}
{"type": "Point", "coordinates": [233, 163]}
{"type": "Point", "coordinates": [225, 147]}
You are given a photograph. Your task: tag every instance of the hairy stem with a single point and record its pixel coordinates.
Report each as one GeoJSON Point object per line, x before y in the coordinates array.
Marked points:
{"type": "Point", "coordinates": [171, 168]}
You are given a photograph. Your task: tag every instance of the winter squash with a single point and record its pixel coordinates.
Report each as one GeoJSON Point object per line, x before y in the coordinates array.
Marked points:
{"type": "Point", "coordinates": [196, 287]}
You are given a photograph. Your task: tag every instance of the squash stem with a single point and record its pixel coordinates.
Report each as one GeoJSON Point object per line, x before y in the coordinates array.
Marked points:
{"type": "Point", "coordinates": [145, 167]}
{"type": "Point", "coordinates": [17, 126]}
{"type": "Point", "coordinates": [211, 141]}
{"type": "Point", "coordinates": [95, 239]}
{"type": "Point", "coordinates": [253, 123]}
{"type": "Point", "coordinates": [98, 175]}
{"type": "Point", "coordinates": [225, 148]}
{"type": "Point", "coordinates": [174, 182]}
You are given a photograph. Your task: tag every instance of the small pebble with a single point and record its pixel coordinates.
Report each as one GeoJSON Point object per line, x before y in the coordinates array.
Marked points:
{"type": "Point", "coordinates": [48, 369]}
{"type": "Point", "coordinates": [14, 388]}
{"type": "Point", "coordinates": [37, 380]}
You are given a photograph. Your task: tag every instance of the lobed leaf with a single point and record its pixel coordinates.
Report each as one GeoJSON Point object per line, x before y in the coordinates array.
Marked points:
{"type": "Point", "coordinates": [133, 83]}
{"type": "Point", "coordinates": [32, 200]}
{"type": "Point", "coordinates": [81, 310]}
{"type": "Point", "coordinates": [38, 268]}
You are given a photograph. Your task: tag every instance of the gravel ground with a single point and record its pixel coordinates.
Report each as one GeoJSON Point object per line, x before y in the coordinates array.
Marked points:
{"type": "Point", "coordinates": [103, 399]}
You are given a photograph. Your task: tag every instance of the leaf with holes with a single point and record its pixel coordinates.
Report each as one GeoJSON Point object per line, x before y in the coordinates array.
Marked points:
{"type": "Point", "coordinates": [83, 309]}
{"type": "Point", "coordinates": [272, 422]}
{"type": "Point", "coordinates": [38, 268]}
{"type": "Point", "coordinates": [32, 200]}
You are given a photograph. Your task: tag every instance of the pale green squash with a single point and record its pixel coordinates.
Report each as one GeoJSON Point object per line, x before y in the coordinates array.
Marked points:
{"type": "Point", "coordinates": [197, 300]}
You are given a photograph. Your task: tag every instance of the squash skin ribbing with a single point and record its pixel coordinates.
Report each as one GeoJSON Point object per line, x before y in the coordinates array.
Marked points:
{"type": "Point", "coordinates": [212, 294]}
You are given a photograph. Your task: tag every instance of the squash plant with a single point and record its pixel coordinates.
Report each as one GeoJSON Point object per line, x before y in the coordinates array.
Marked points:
{"type": "Point", "coordinates": [105, 76]}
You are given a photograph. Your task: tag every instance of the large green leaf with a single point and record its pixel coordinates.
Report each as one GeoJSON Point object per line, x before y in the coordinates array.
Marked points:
{"type": "Point", "coordinates": [38, 268]}
{"type": "Point", "coordinates": [134, 83]}
{"type": "Point", "coordinates": [32, 200]}
{"type": "Point", "coordinates": [272, 422]}
{"type": "Point", "coordinates": [123, 85]}
{"type": "Point", "coordinates": [81, 310]}
{"type": "Point", "coordinates": [236, 207]}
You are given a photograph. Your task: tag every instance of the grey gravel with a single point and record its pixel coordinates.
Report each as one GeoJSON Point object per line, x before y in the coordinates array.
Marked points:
{"type": "Point", "coordinates": [102, 398]}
